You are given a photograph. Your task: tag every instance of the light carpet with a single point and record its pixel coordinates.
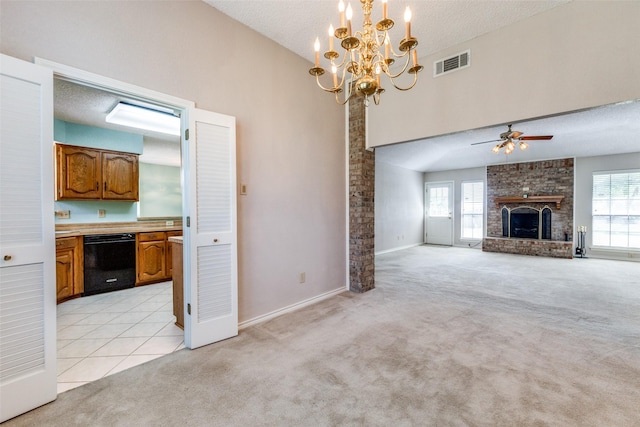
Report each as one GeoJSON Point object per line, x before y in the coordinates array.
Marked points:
{"type": "Point", "coordinates": [449, 337]}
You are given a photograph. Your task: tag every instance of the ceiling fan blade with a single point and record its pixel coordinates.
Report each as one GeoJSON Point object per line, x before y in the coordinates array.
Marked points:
{"type": "Point", "coordinates": [535, 138]}
{"type": "Point", "coordinates": [515, 134]}
{"type": "Point", "coordinates": [486, 142]}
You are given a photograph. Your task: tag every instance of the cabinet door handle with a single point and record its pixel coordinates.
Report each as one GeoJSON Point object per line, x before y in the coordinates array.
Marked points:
{"type": "Point", "coordinates": [97, 185]}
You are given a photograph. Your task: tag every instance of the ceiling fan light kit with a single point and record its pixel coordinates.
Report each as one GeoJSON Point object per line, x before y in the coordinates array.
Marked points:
{"type": "Point", "coordinates": [367, 55]}
{"type": "Point", "coordinates": [509, 139]}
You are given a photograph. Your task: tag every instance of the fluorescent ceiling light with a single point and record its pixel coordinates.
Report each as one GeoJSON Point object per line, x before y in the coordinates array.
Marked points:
{"type": "Point", "coordinates": [144, 118]}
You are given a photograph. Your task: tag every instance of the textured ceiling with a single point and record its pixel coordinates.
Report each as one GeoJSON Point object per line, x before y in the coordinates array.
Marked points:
{"type": "Point", "coordinates": [437, 24]}
{"type": "Point", "coordinates": [89, 106]}
{"type": "Point", "coordinates": [611, 129]}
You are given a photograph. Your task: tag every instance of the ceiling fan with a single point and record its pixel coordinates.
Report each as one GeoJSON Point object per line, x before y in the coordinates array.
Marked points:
{"type": "Point", "coordinates": [510, 138]}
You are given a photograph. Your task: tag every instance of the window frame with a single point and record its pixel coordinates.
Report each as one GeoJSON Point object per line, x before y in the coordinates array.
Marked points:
{"type": "Point", "coordinates": [611, 221]}
{"type": "Point", "coordinates": [481, 215]}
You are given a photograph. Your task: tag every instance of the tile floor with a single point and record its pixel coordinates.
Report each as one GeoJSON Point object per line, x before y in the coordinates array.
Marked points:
{"type": "Point", "coordinates": [103, 334]}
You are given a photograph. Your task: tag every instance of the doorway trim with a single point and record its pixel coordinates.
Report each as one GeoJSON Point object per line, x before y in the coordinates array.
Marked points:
{"type": "Point", "coordinates": [87, 78]}
{"type": "Point", "coordinates": [107, 84]}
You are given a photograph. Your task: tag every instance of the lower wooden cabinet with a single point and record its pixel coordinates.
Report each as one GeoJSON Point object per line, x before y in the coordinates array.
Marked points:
{"type": "Point", "coordinates": [69, 268]}
{"type": "Point", "coordinates": [151, 254]}
{"type": "Point", "coordinates": [169, 247]}
{"type": "Point", "coordinates": [154, 260]}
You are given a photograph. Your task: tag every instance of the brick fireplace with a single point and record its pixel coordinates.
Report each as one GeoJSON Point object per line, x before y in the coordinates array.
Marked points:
{"type": "Point", "coordinates": [541, 195]}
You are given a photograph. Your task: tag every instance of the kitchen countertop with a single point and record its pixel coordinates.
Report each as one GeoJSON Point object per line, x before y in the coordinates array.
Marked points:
{"type": "Point", "coordinates": [72, 230]}
{"type": "Point", "coordinates": [175, 239]}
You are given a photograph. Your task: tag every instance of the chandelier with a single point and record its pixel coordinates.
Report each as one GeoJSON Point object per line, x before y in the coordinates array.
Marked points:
{"type": "Point", "coordinates": [367, 55]}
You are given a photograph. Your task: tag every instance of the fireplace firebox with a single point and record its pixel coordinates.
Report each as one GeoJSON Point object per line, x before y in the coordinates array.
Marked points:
{"type": "Point", "coordinates": [526, 223]}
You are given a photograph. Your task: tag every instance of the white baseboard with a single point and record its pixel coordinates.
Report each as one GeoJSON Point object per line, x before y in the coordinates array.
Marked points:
{"type": "Point", "coordinates": [613, 254]}
{"type": "Point", "coordinates": [399, 249]}
{"type": "Point", "coordinates": [290, 308]}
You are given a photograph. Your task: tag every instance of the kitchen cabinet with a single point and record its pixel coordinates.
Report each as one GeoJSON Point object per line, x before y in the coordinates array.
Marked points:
{"type": "Point", "coordinates": [178, 286]}
{"type": "Point", "coordinates": [154, 260]}
{"type": "Point", "coordinates": [69, 274]}
{"type": "Point", "coordinates": [91, 174]}
{"type": "Point", "coordinates": [169, 252]}
{"type": "Point", "coordinates": [151, 265]}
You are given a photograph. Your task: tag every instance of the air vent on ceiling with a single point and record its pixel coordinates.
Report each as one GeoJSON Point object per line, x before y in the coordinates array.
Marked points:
{"type": "Point", "coordinates": [453, 63]}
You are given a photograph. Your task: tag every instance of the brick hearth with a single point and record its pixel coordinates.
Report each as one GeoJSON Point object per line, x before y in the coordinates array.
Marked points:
{"type": "Point", "coordinates": [545, 178]}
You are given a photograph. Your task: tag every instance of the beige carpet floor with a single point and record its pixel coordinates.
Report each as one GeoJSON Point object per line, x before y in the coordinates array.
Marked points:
{"type": "Point", "coordinates": [449, 337]}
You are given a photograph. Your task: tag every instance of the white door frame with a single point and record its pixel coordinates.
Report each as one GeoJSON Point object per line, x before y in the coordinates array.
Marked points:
{"type": "Point", "coordinates": [116, 86]}
{"type": "Point", "coordinates": [451, 218]}
{"type": "Point", "coordinates": [194, 336]}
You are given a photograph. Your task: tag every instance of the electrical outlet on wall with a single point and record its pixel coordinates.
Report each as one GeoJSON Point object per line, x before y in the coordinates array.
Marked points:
{"type": "Point", "coordinates": [102, 213]}
{"type": "Point", "coordinates": [63, 214]}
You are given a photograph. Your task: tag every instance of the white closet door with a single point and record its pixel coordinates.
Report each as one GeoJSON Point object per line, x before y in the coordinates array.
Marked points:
{"type": "Point", "coordinates": [211, 278]}
{"type": "Point", "coordinates": [27, 239]}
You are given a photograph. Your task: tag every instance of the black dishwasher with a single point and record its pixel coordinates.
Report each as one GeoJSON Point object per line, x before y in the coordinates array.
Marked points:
{"type": "Point", "coordinates": [109, 262]}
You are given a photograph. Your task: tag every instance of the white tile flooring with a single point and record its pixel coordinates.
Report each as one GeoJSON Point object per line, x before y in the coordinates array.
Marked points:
{"type": "Point", "coordinates": [103, 334]}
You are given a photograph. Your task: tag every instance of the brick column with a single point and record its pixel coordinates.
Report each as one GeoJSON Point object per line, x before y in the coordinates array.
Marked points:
{"type": "Point", "coordinates": [361, 202]}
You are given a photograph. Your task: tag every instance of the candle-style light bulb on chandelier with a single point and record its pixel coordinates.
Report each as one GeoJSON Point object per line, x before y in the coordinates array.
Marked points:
{"type": "Point", "coordinates": [367, 55]}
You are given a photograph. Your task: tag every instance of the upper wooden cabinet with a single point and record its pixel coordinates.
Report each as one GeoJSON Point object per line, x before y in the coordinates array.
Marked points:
{"type": "Point", "coordinates": [120, 176]}
{"type": "Point", "coordinates": [91, 174]}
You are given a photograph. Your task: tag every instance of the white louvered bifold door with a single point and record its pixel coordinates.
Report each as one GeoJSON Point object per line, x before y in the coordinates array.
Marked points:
{"type": "Point", "coordinates": [211, 278]}
{"type": "Point", "coordinates": [27, 246]}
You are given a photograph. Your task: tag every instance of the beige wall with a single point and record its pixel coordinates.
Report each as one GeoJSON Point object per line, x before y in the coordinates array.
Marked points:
{"type": "Point", "coordinates": [291, 151]}
{"type": "Point", "coordinates": [399, 208]}
{"type": "Point", "coordinates": [578, 55]}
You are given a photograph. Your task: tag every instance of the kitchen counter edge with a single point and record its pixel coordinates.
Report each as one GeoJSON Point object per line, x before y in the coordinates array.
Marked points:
{"type": "Point", "coordinates": [73, 230]}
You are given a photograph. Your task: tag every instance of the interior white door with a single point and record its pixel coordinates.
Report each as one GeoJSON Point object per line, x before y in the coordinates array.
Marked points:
{"type": "Point", "coordinates": [211, 272]}
{"type": "Point", "coordinates": [27, 239]}
{"type": "Point", "coordinates": [439, 213]}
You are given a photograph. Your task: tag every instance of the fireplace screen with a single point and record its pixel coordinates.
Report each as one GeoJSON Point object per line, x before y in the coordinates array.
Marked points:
{"type": "Point", "coordinates": [526, 223]}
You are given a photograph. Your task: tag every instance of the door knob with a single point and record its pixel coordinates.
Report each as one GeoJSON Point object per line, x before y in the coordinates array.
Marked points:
{"type": "Point", "coordinates": [215, 240]}
{"type": "Point", "coordinates": [7, 257]}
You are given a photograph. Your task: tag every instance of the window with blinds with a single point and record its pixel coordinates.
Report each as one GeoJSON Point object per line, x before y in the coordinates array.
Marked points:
{"type": "Point", "coordinates": [616, 209]}
{"type": "Point", "coordinates": [472, 210]}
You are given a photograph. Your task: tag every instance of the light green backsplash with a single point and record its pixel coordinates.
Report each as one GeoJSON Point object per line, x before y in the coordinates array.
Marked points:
{"type": "Point", "coordinates": [88, 136]}
{"type": "Point", "coordinates": [86, 211]}
{"type": "Point", "coordinates": [93, 137]}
